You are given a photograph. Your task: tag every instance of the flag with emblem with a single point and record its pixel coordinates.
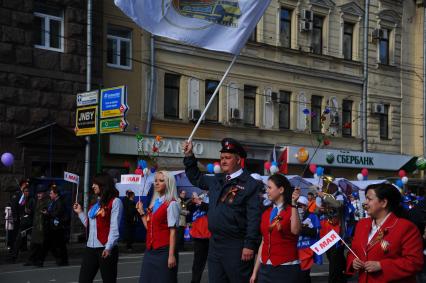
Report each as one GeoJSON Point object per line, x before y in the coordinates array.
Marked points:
{"type": "Point", "coordinates": [220, 25]}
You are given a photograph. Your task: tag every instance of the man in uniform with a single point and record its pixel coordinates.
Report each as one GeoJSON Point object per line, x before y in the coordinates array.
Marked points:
{"type": "Point", "coordinates": [234, 213]}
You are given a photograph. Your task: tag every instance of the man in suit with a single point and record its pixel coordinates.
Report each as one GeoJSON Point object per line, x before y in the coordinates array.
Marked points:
{"type": "Point", "coordinates": [234, 213]}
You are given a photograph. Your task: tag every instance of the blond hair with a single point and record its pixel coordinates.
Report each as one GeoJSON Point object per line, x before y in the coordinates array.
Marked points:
{"type": "Point", "coordinates": [171, 190]}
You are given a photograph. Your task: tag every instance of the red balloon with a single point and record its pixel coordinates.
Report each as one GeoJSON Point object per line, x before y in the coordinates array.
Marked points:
{"type": "Point", "coordinates": [139, 171]}
{"type": "Point", "coordinates": [364, 172]}
{"type": "Point", "coordinates": [267, 165]}
{"type": "Point", "coordinates": [216, 164]}
{"type": "Point", "coordinates": [326, 142]}
{"type": "Point", "coordinates": [402, 173]}
{"type": "Point", "coordinates": [313, 168]}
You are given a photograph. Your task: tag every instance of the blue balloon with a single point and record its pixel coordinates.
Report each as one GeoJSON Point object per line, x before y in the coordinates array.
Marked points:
{"type": "Point", "coordinates": [399, 183]}
{"type": "Point", "coordinates": [320, 171]}
{"type": "Point", "coordinates": [152, 169]}
{"type": "Point", "coordinates": [274, 163]}
{"type": "Point", "coordinates": [210, 168]}
{"type": "Point", "coordinates": [306, 111]}
{"type": "Point", "coordinates": [142, 164]}
{"type": "Point", "coordinates": [326, 110]}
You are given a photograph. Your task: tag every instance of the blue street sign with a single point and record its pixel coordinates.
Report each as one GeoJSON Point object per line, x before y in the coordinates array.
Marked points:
{"type": "Point", "coordinates": [113, 102]}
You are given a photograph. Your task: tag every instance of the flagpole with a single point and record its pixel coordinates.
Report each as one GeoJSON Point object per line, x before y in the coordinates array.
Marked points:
{"type": "Point", "coordinates": [212, 98]}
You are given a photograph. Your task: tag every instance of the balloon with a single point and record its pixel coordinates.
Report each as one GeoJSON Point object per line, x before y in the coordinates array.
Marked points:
{"type": "Point", "coordinates": [402, 173]}
{"type": "Point", "coordinates": [404, 180]}
{"type": "Point", "coordinates": [360, 177]}
{"type": "Point", "coordinates": [274, 169]}
{"type": "Point", "coordinates": [329, 157]}
{"type": "Point", "coordinates": [399, 183]}
{"type": "Point", "coordinates": [210, 168]}
{"type": "Point", "coordinates": [320, 171]}
{"type": "Point", "coordinates": [313, 168]}
{"type": "Point", "coordinates": [142, 164]}
{"type": "Point", "coordinates": [316, 176]}
{"type": "Point", "coordinates": [306, 111]}
{"type": "Point", "coordinates": [217, 169]}
{"type": "Point", "coordinates": [7, 159]}
{"type": "Point", "coordinates": [267, 165]}
{"type": "Point", "coordinates": [153, 169]}
{"type": "Point", "coordinates": [326, 110]}
{"type": "Point", "coordinates": [139, 171]}
{"type": "Point", "coordinates": [274, 163]}
{"type": "Point", "coordinates": [364, 172]}
{"type": "Point", "coordinates": [302, 155]}
{"type": "Point", "coordinates": [421, 163]}
{"type": "Point", "coordinates": [146, 171]}
{"type": "Point", "coordinates": [216, 164]}
{"type": "Point", "coordinates": [327, 142]}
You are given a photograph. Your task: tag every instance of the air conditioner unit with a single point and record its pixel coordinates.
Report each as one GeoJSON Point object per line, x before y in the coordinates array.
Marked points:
{"type": "Point", "coordinates": [194, 114]}
{"type": "Point", "coordinates": [307, 15]}
{"type": "Point", "coordinates": [377, 34]}
{"type": "Point", "coordinates": [378, 108]}
{"type": "Point", "coordinates": [306, 26]}
{"type": "Point", "coordinates": [235, 114]}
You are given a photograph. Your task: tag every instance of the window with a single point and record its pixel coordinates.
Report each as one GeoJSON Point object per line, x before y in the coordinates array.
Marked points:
{"type": "Point", "coordinates": [316, 102]}
{"type": "Point", "coordinates": [171, 95]}
{"type": "Point", "coordinates": [253, 36]}
{"type": "Point", "coordinates": [212, 114]}
{"type": "Point", "coordinates": [384, 47]}
{"type": "Point", "coordinates": [285, 27]}
{"type": "Point", "coordinates": [284, 110]}
{"type": "Point", "coordinates": [249, 104]}
{"type": "Point", "coordinates": [384, 123]}
{"type": "Point", "coordinates": [348, 31]}
{"type": "Point", "coordinates": [49, 28]}
{"type": "Point", "coordinates": [317, 34]}
{"type": "Point", "coordinates": [347, 118]}
{"type": "Point", "coordinates": [119, 47]}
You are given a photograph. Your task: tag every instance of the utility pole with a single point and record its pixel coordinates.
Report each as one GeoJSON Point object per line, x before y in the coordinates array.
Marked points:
{"type": "Point", "coordinates": [365, 80]}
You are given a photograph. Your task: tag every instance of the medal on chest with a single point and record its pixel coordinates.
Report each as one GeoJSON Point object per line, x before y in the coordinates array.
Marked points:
{"type": "Point", "coordinates": [379, 238]}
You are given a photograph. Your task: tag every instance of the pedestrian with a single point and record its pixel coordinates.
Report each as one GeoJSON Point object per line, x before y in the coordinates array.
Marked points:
{"type": "Point", "coordinates": [8, 226]}
{"type": "Point", "coordinates": [234, 212]}
{"type": "Point", "coordinates": [311, 202]}
{"type": "Point", "coordinates": [309, 234]}
{"type": "Point", "coordinates": [388, 247]}
{"type": "Point", "coordinates": [40, 228]}
{"type": "Point", "coordinates": [102, 221]}
{"type": "Point", "coordinates": [15, 200]}
{"type": "Point", "coordinates": [25, 221]}
{"type": "Point", "coordinates": [58, 220]}
{"type": "Point", "coordinates": [356, 203]}
{"type": "Point", "coordinates": [182, 220]}
{"type": "Point", "coordinates": [130, 216]}
{"type": "Point", "coordinates": [280, 226]}
{"type": "Point", "coordinates": [161, 220]}
{"type": "Point", "coordinates": [200, 234]}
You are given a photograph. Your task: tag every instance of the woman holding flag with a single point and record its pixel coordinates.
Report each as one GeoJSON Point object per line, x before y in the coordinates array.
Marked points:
{"type": "Point", "coordinates": [386, 247]}
{"type": "Point", "coordinates": [161, 220]}
{"type": "Point", "coordinates": [103, 222]}
{"type": "Point", "coordinates": [280, 226]}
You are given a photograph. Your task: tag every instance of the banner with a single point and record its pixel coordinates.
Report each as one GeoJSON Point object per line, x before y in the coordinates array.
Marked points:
{"type": "Point", "coordinates": [131, 179]}
{"type": "Point", "coordinates": [220, 25]}
{"type": "Point", "coordinates": [70, 177]}
{"type": "Point", "coordinates": [326, 242]}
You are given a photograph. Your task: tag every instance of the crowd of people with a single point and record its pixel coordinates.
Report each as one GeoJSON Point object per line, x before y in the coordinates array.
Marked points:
{"type": "Point", "coordinates": [244, 229]}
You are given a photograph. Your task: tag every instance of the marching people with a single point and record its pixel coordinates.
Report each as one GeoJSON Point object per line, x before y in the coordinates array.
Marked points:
{"type": "Point", "coordinates": [200, 234]}
{"type": "Point", "coordinates": [40, 228]}
{"type": "Point", "coordinates": [182, 220]}
{"type": "Point", "coordinates": [309, 234]}
{"type": "Point", "coordinates": [130, 216]}
{"type": "Point", "coordinates": [161, 220]}
{"type": "Point", "coordinates": [356, 203]}
{"type": "Point", "coordinates": [58, 220]}
{"type": "Point", "coordinates": [102, 221]}
{"type": "Point", "coordinates": [277, 257]}
{"type": "Point", "coordinates": [8, 226]}
{"type": "Point", "coordinates": [234, 212]}
{"type": "Point", "coordinates": [15, 202]}
{"type": "Point", "coordinates": [387, 247]}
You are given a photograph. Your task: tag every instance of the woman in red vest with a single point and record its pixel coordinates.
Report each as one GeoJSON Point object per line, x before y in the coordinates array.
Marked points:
{"type": "Point", "coordinates": [161, 220]}
{"type": "Point", "coordinates": [278, 258]}
{"type": "Point", "coordinates": [389, 248]}
{"type": "Point", "coordinates": [102, 222]}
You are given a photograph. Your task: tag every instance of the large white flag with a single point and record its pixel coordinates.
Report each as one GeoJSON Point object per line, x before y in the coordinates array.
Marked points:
{"type": "Point", "coordinates": [221, 25]}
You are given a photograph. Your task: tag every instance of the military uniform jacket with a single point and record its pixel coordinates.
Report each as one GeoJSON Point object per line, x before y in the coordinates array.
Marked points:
{"type": "Point", "coordinates": [236, 217]}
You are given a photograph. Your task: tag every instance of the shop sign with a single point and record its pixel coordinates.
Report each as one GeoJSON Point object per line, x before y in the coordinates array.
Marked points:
{"type": "Point", "coordinates": [86, 121]}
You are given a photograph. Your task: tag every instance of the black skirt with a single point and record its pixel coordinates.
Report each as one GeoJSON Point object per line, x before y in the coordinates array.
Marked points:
{"type": "Point", "coordinates": [281, 273]}
{"type": "Point", "coordinates": [155, 269]}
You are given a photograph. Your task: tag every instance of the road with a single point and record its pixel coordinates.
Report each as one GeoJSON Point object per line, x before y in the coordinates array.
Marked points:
{"type": "Point", "coordinates": [128, 271]}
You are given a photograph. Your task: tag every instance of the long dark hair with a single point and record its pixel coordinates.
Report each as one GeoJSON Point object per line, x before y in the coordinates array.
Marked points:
{"type": "Point", "coordinates": [281, 181]}
{"type": "Point", "coordinates": [107, 187]}
{"type": "Point", "coordinates": [392, 195]}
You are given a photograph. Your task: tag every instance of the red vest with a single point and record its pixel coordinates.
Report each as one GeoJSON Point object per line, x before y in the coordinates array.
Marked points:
{"type": "Point", "coordinates": [158, 232]}
{"type": "Point", "coordinates": [103, 221]}
{"type": "Point", "coordinates": [200, 228]}
{"type": "Point", "coordinates": [279, 245]}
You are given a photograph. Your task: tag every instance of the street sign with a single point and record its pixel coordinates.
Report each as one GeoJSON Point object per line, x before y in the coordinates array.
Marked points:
{"type": "Point", "coordinates": [113, 125]}
{"type": "Point", "coordinates": [86, 121]}
{"type": "Point", "coordinates": [87, 98]}
{"type": "Point", "coordinates": [113, 102]}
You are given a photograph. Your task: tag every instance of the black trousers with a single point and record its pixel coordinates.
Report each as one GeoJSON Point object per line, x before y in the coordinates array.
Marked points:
{"type": "Point", "coordinates": [180, 238]}
{"type": "Point", "coordinates": [201, 251]}
{"type": "Point", "coordinates": [225, 264]}
{"type": "Point", "coordinates": [56, 243]}
{"type": "Point", "coordinates": [36, 254]}
{"type": "Point", "coordinates": [93, 261]}
{"type": "Point", "coordinates": [129, 233]}
{"type": "Point", "coordinates": [280, 273]}
{"type": "Point", "coordinates": [337, 264]}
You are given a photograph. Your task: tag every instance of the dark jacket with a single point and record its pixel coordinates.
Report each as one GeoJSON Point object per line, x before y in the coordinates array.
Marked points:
{"type": "Point", "coordinates": [58, 218]}
{"type": "Point", "coordinates": [236, 220]}
{"type": "Point", "coordinates": [130, 212]}
{"type": "Point", "coordinates": [40, 221]}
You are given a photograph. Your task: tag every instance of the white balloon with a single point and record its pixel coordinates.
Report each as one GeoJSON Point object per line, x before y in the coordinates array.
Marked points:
{"type": "Point", "coordinates": [315, 176]}
{"type": "Point", "coordinates": [217, 169]}
{"type": "Point", "coordinates": [274, 169]}
{"type": "Point", "coordinates": [360, 177]}
{"type": "Point", "coordinates": [146, 171]}
{"type": "Point", "coordinates": [404, 180]}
